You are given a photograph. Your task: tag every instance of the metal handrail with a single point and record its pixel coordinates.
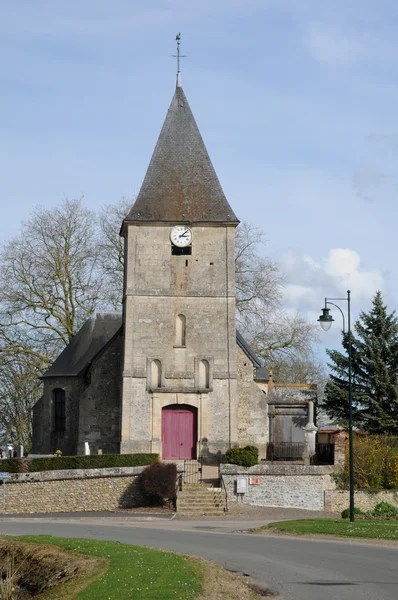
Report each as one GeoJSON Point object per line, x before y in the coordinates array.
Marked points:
{"type": "Point", "coordinates": [225, 492]}
{"type": "Point", "coordinates": [178, 488]}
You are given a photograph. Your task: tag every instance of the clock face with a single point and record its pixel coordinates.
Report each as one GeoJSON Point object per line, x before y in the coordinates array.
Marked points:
{"type": "Point", "coordinates": [181, 236]}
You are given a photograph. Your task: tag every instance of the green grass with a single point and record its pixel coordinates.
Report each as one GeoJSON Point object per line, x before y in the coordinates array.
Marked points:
{"type": "Point", "coordinates": [382, 530]}
{"type": "Point", "coordinates": [134, 572]}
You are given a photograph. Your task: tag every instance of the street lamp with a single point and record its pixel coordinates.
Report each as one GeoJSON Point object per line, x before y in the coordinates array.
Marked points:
{"type": "Point", "coordinates": [325, 320]}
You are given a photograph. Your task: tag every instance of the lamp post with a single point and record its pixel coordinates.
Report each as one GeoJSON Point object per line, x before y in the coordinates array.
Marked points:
{"type": "Point", "coordinates": [325, 320]}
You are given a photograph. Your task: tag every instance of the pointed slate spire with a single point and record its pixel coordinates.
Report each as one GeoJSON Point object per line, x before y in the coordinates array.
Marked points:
{"type": "Point", "coordinates": [181, 183]}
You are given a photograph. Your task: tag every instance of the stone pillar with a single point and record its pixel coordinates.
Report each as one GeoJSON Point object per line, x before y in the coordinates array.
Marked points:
{"type": "Point", "coordinates": [310, 434]}
{"type": "Point", "coordinates": [340, 440]}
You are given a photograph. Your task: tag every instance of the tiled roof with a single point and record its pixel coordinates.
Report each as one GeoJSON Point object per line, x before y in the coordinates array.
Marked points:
{"type": "Point", "coordinates": [96, 332]}
{"type": "Point", "coordinates": [247, 350]}
{"type": "Point", "coordinates": [181, 184]}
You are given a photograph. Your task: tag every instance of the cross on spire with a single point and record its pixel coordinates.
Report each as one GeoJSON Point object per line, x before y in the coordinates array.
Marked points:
{"type": "Point", "coordinates": [178, 56]}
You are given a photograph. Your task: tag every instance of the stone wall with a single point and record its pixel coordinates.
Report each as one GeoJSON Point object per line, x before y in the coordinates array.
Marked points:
{"type": "Point", "coordinates": [288, 411]}
{"type": "Point", "coordinates": [99, 417]}
{"type": "Point", "coordinates": [252, 407]}
{"type": "Point", "coordinates": [337, 500]}
{"type": "Point", "coordinates": [287, 486]}
{"type": "Point", "coordinates": [72, 490]}
{"type": "Point", "coordinates": [45, 439]}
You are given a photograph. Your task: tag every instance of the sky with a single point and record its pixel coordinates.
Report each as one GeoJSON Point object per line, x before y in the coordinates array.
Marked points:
{"type": "Point", "coordinates": [296, 102]}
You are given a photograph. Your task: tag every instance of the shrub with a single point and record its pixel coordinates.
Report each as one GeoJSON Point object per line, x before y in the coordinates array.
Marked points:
{"type": "Point", "coordinates": [384, 509]}
{"type": "Point", "coordinates": [158, 482]}
{"type": "Point", "coordinates": [345, 514]}
{"type": "Point", "coordinates": [375, 462]}
{"type": "Point", "coordinates": [61, 463]}
{"type": "Point", "coordinates": [245, 457]}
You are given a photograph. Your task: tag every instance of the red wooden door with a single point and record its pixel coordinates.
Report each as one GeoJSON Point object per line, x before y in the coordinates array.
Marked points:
{"type": "Point", "coordinates": [178, 433]}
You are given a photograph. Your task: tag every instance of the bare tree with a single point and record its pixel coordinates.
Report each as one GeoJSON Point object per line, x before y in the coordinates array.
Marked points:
{"type": "Point", "coordinates": [20, 389]}
{"type": "Point", "coordinates": [300, 368]}
{"type": "Point", "coordinates": [49, 280]}
{"type": "Point", "coordinates": [112, 249]}
{"type": "Point", "coordinates": [278, 337]}
{"type": "Point", "coordinates": [258, 280]}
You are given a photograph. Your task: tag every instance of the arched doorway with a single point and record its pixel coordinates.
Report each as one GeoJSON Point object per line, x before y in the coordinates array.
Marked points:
{"type": "Point", "coordinates": [179, 432]}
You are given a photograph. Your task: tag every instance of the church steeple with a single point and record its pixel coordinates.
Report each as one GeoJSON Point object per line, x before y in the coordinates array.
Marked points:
{"type": "Point", "coordinates": [181, 183]}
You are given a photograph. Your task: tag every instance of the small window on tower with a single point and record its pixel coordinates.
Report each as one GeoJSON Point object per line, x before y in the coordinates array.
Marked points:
{"type": "Point", "coordinates": [156, 374]}
{"type": "Point", "coordinates": [181, 325]}
{"type": "Point", "coordinates": [204, 375]}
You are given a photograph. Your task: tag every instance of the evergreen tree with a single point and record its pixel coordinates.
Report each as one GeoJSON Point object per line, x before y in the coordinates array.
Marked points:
{"type": "Point", "coordinates": [374, 362]}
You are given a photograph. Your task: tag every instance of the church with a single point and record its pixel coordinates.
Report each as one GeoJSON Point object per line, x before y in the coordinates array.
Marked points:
{"type": "Point", "coordinates": [171, 374]}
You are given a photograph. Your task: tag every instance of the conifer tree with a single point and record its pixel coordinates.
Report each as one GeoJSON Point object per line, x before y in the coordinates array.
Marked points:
{"type": "Point", "coordinates": [374, 361]}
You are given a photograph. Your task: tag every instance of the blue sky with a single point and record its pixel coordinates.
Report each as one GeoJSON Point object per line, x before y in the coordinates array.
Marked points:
{"type": "Point", "coordinates": [296, 102]}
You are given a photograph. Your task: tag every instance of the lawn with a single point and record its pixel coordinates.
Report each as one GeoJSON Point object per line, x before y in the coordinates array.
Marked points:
{"type": "Point", "coordinates": [381, 530]}
{"type": "Point", "coordinates": [124, 572]}
{"type": "Point", "coordinates": [134, 571]}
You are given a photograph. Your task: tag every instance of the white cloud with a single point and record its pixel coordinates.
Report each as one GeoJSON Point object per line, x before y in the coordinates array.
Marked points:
{"type": "Point", "coordinates": [310, 281]}
{"type": "Point", "coordinates": [344, 267]}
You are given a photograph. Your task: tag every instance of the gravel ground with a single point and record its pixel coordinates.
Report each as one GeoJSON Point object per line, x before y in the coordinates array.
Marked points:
{"type": "Point", "coordinates": [239, 512]}
{"type": "Point", "coordinates": [236, 509]}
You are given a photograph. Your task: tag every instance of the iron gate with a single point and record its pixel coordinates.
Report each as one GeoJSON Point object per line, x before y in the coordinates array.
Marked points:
{"type": "Point", "coordinates": [192, 471]}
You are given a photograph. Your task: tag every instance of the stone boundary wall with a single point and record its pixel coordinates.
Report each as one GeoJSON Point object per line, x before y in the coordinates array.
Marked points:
{"type": "Point", "coordinates": [72, 490]}
{"type": "Point", "coordinates": [280, 485]}
{"type": "Point", "coordinates": [337, 500]}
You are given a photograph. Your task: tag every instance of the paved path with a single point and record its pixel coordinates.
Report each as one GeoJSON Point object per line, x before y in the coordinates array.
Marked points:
{"type": "Point", "coordinates": [296, 568]}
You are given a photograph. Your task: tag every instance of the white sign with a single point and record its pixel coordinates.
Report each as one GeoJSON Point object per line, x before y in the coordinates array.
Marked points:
{"type": "Point", "coordinates": [4, 475]}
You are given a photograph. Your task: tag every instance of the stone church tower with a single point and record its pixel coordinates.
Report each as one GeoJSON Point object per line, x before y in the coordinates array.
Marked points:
{"type": "Point", "coordinates": [179, 390]}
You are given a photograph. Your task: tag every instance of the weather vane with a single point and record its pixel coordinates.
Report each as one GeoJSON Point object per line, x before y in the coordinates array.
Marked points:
{"type": "Point", "coordinates": [178, 56]}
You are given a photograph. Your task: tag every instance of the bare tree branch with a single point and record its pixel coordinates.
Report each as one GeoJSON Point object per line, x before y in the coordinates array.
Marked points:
{"type": "Point", "coordinates": [278, 337]}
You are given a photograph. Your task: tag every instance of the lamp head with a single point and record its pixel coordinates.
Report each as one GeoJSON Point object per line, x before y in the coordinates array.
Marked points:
{"type": "Point", "coordinates": [325, 319]}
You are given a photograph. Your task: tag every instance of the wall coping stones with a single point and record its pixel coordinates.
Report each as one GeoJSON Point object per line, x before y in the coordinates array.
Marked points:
{"type": "Point", "coordinates": [79, 474]}
{"type": "Point", "coordinates": [276, 469]}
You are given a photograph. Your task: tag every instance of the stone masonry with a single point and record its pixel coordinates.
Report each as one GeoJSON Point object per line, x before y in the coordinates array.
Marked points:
{"type": "Point", "coordinates": [338, 500]}
{"type": "Point", "coordinates": [160, 287]}
{"type": "Point", "coordinates": [287, 486]}
{"type": "Point", "coordinates": [72, 490]}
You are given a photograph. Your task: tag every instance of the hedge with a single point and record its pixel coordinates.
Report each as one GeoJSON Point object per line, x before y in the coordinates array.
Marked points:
{"type": "Point", "coordinates": [61, 463]}
{"type": "Point", "coordinates": [245, 457]}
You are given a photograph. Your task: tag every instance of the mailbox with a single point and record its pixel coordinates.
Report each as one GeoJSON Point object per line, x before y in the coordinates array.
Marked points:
{"type": "Point", "coordinates": [241, 485]}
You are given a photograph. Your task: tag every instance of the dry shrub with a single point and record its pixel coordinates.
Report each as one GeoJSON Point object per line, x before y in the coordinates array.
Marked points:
{"type": "Point", "coordinates": [157, 482]}
{"type": "Point", "coordinates": [375, 462]}
{"type": "Point", "coordinates": [8, 576]}
{"type": "Point", "coordinates": [40, 567]}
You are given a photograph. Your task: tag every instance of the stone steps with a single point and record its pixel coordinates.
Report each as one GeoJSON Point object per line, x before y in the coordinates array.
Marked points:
{"type": "Point", "coordinates": [199, 499]}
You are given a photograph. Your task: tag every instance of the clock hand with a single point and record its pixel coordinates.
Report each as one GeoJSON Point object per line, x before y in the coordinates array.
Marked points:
{"type": "Point", "coordinates": [184, 234]}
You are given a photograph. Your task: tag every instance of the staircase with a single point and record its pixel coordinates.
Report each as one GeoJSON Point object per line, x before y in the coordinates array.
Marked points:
{"type": "Point", "coordinates": [199, 499]}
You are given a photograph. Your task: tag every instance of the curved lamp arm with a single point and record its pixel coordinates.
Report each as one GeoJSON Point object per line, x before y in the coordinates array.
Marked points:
{"type": "Point", "coordinates": [336, 306]}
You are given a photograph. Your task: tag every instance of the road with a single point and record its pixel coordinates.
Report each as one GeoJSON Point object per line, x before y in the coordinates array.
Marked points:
{"type": "Point", "coordinates": [296, 568]}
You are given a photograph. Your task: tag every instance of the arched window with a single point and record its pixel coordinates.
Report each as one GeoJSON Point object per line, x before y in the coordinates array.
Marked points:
{"type": "Point", "coordinates": [156, 374]}
{"type": "Point", "coordinates": [204, 375]}
{"type": "Point", "coordinates": [59, 409]}
{"type": "Point", "coordinates": [181, 324]}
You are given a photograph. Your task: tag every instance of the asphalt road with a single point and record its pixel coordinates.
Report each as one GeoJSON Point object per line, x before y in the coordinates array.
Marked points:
{"type": "Point", "coordinates": [296, 568]}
